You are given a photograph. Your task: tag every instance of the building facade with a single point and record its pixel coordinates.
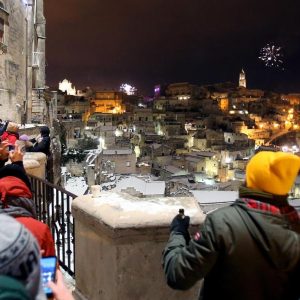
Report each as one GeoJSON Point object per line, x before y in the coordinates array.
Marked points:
{"type": "Point", "coordinates": [22, 60]}
{"type": "Point", "coordinates": [242, 79]}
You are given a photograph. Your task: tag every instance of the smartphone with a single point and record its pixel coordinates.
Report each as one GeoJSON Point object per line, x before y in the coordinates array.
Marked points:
{"type": "Point", "coordinates": [11, 147]}
{"type": "Point", "coordinates": [48, 269]}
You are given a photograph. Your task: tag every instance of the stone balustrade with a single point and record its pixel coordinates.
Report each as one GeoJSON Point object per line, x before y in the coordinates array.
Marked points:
{"type": "Point", "coordinates": [119, 242]}
{"type": "Point", "coordinates": [35, 164]}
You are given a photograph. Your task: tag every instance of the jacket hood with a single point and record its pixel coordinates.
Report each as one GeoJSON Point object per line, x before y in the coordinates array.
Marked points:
{"type": "Point", "coordinates": [45, 131]}
{"type": "Point", "coordinates": [277, 237]}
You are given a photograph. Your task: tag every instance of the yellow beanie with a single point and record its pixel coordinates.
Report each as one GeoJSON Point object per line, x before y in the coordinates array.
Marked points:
{"type": "Point", "coordinates": [272, 172]}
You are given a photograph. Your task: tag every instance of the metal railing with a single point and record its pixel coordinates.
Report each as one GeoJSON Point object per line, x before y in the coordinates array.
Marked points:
{"type": "Point", "coordinates": [53, 207]}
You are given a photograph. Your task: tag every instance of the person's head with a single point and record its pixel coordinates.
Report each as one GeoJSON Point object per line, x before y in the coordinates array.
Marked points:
{"type": "Point", "coordinates": [272, 172]}
{"type": "Point", "coordinates": [24, 137]}
{"type": "Point", "coordinates": [12, 127]}
{"type": "Point", "coordinates": [19, 254]}
{"type": "Point", "coordinates": [45, 131]}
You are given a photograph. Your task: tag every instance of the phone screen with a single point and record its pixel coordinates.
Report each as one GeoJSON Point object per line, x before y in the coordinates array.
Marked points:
{"type": "Point", "coordinates": [48, 269]}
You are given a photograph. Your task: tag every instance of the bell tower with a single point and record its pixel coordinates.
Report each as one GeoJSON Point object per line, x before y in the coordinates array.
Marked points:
{"type": "Point", "coordinates": [242, 80]}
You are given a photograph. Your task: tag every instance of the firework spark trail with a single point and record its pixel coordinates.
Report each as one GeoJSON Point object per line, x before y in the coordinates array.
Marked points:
{"type": "Point", "coordinates": [272, 56]}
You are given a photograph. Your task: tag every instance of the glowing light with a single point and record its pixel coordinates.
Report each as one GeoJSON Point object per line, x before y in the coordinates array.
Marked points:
{"type": "Point", "coordinates": [118, 132]}
{"type": "Point", "coordinates": [128, 89]}
{"type": "Point", "coordinates": [67, 87]}
{"type": "Point", "coordinates": [228, 160]}
{"type": "Point", "coordinates": [285, 148]}
{"type": "Point", "coordinates": [272, 56]}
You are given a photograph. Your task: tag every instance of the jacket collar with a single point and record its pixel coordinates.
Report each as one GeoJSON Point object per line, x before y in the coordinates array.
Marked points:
{"type": "Point", "coordinates": [276, 200]}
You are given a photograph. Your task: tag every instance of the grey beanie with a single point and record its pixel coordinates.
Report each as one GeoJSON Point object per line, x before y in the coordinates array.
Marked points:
{"type": "Point", "coordinates": [19, 254]}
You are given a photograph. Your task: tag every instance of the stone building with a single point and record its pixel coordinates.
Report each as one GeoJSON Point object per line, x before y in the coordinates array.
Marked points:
{"type": "Point", "coordinates": [67, 86]}
{"type": "Point", "coordinates": [121, 161]}
{"type": "Point", "coordinates": [242, 79]}
{"type": "Point", "coordinates": [106, 102]}
{"type": "Point", "coordinates": [22, 60]}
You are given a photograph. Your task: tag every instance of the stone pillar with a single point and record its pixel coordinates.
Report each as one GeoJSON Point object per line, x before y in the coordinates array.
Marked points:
{"type": "Point", "coordinates": [119, 242]}
{"type": "Point", "coordinates": [35, 164]}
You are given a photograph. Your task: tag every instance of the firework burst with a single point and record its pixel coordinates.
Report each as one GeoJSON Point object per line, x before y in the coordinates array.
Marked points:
{"type": "Point", "coordinates": [272, 56]}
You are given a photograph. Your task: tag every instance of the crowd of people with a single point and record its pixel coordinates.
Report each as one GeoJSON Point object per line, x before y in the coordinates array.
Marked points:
{"type": "Point", "coordinates": [23, 238]}
{"type": "Point", "coordinates": [248, 250]}
{"type": "Point", "coordinates": [9, 132]}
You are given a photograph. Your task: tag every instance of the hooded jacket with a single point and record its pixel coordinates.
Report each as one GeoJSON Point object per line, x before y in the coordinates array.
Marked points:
{"type": "Point", "coordinates": [11, 289]}
{"type": "Point", "coordinates": [43, 144]}
{"type": "Point", "coordinates": [249, 250]}
{"type": "Point", "coordinates": [9, 136]}
{"type": "Point", "coordinates": [16, 201]}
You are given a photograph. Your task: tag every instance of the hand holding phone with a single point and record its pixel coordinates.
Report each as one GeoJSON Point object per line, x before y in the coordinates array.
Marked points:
{"type": "Point", "coordinates": [60, 291]}
{"type": "Point", "coordinates": [48, 269]}
{"type": "Point", "coordinates": [16, 154]}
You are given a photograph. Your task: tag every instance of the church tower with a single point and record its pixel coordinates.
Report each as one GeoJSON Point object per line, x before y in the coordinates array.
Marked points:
{"type": "Point", "coordinates": [242, 81]}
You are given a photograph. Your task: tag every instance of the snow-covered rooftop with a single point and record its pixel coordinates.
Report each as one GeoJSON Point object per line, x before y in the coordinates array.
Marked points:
{"type": "Point", "coordinates": [147, 188]}
{"type": "Point", "coordinates": [175, 170]}
{"type": "Point", "coordinates": [202, 153]}
{"type": "Point", "coordinates": [194, 159]}
{"type": "Point", "coordinates": [76, 185]}
{"type": "Point", "coordinates": [117, 151]}
{"type": "Point", "coordinates": [209, 197]}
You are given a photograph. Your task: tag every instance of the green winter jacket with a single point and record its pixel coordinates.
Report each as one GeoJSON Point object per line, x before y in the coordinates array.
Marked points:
{"type": "Point", "coordinates": [242, 253]}
{"type": "Point", "coordinates": [11, 289]}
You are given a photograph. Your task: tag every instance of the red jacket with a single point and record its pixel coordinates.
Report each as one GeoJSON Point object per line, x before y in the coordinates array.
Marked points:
{"type": "Point", "coordinates": [15, 200]}
{"type": "Point", "coordinates": [41, 232]}
{"type": "Point", "coordinates": [11, 137]}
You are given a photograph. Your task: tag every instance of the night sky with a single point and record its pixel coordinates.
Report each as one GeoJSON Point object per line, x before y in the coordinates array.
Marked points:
{"type": "Point", "coordinates": [104, 43]}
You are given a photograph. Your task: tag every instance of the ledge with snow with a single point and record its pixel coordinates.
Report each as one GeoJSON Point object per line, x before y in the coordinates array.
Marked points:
{"type": "Point", "coordinates": [119, 241]}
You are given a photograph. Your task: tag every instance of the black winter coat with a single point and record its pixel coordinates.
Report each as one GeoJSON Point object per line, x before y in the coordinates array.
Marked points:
{"type": "Point", "coordinates": [242, 253]}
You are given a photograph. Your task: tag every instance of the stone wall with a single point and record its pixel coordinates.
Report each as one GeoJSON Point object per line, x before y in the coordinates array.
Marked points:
{"type": "Point", "coordinates": [20, 70]}
{"type": "Point", "coordinates": [13, 62]}
{"type": "Point", "coordinates": [119, 243]}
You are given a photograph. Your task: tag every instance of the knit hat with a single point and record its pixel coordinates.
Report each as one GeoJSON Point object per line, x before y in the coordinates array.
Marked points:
{"type": "Point", "coordinates": [19, 254]}
{"type": "Point", "coordinates": [24, 137]}
{"type": "Point", "coordinates": [11, 289]}
{"type": "Point", "coordinates": [272, 172]}
{"type": "Point", "coordinates": [12, 127]}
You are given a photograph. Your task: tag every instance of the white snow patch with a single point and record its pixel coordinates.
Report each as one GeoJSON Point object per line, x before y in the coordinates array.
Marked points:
{"type": "Point", "coordinates": [76, 185]}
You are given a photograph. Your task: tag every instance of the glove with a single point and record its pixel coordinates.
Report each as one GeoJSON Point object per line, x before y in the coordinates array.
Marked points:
{"type": "Point", "coordinates": [180, 224]}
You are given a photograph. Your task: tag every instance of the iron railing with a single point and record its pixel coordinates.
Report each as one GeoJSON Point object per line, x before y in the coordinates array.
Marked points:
{"type": "Point", "coordinates": [53, 207]}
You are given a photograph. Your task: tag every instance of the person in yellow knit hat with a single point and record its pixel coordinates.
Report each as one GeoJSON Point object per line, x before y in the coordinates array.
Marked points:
{"type": "Point", "coordinates": [248, 250]}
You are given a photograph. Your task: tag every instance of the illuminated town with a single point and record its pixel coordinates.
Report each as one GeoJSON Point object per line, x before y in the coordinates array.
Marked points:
{"type": "Point", "coordinates": [193, 137]}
